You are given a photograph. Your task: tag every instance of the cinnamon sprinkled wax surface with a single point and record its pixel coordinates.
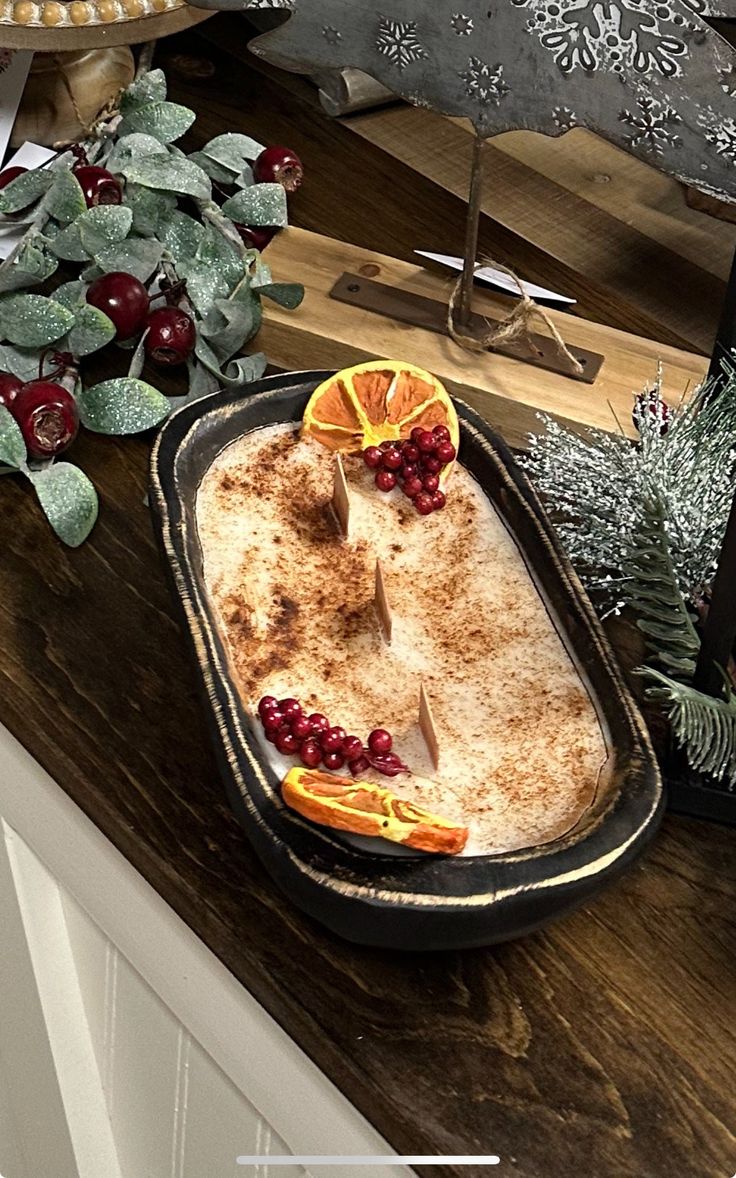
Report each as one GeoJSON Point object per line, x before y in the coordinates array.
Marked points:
{"type": "Point", "coordinates": [543, 762]}
{"type": "Point", "coordinates": [522, 748]}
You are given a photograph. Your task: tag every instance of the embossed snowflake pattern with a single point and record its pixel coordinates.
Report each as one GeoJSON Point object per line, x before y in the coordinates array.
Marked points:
{"type": "Point", "coordinates": [728, 80]}
{"type": "Point", "coordinates": [620, 35]}
{"type": "Point", "coordinates": [397, 40]}
{"type": "Point", "coordinates": [462, 24]}
{"type": "Point", "coordinates": [723, 138]}
{"type": "Point", "coordinates": [484, 82]}
{"type": "Point", "coordinates": [564, 118]}
{"type": "Point", "coordinates": [332, 35]}
{"type": "Point", "coordinates": [652, 126]}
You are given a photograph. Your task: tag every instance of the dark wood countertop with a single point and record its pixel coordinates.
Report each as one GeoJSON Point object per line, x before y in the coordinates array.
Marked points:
{"type": "Point", "coordinates": [605, 1045]}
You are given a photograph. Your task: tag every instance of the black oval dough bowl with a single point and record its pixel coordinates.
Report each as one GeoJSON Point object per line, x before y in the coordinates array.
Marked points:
{"type": "Point", "coordinates": [419, 902]}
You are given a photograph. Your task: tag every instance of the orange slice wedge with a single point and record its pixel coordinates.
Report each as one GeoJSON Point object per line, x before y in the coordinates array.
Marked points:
{"type": "Point", "coordinates": [376, 402]}
{"type": "Point", "coordinates": [364, 808]}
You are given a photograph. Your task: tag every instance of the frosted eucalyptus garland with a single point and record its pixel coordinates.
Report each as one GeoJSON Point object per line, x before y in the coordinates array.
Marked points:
{"type": "Point", "coordinates": [644, 525]}
{"type": "Point", "coordinates": [154, 236]}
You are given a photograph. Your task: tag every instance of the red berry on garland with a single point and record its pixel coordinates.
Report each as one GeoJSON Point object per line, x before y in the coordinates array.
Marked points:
{"type": "Point", "coordinates": [10, 386]}
{"type": "Point", "coordinates": [123, 299]}
{"type": "Point", "coordinates": [279, 165]}
{"type": "Point", "coordinates": [372, 457]}
{"type": "Point", "coordinates": [171, 337]}
{"type": "Point", "coordinates": [48, 418]}
{"type": "Point", "coordinates": [380, 741]}
{"type": "Point", "coordinates": [256, 237]}
{"type": "Point", "coordinates": [310, 753]}
{"type": "Point", "coordinates": [10, 174]}
{"type": "Point", "coordinates": [99, 186]}
{"type": "Point", "coordinates": [385, 480]}
{"type": "Point", "coordinates": [423, 503]}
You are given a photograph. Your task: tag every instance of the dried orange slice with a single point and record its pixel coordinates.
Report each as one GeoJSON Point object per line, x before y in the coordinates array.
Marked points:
{"type": "Point", "coordinates": [364, 808]}
{"type": "Point", "coordinates": [377, 402]}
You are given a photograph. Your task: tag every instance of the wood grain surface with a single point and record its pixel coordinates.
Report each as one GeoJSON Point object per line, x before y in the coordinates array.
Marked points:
{"type": "Point", "coordinates": [605, 1046]}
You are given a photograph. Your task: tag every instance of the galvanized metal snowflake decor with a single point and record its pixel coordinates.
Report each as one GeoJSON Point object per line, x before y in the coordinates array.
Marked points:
{"type": "Point", "coordinates": [649, 75]}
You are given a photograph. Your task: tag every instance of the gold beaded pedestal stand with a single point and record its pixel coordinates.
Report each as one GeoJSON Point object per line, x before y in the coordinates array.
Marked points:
{"type": "Point", "coordinates": [82, 57]}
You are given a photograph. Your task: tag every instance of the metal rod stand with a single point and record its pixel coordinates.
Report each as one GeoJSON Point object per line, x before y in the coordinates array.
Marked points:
{"type": "Point", "coordinates": [725, 340]}
{"type": "Point", "coordinates": [475, 196]}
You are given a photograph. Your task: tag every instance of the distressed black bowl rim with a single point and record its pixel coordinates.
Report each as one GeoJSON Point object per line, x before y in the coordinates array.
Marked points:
{"type": "Point", "coordinates": [428, 902]}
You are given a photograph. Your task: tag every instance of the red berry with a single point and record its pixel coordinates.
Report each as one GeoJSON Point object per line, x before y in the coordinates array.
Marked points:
{"type": "Point", "coordinates": [48, 417]}
{"type": "Point", "coordinates": [301, 727]}
{"type": "Point", "coordinates": [256, 237]}
{"type": "Point", "coordinates": [267, 704]}
{"type": "Point", "coordinates": [272, 721]}
{"type": "Point", "coordinates": [171, 336]}
{"type": "Point", "coordinates": [413, 486]}
{"type": "Point", "coordinates": [380, 741]}
{"type": "Point", "coordinates": [318, 723]}
{"type": "Point", "coordinates": [279, 165]}
{"type": "Point", "coordinates": [431, 483]}
{"type": "Point", "coordinates": [423, 503]}
{"type": "Point", "coordinates": [391, 460]}
{"type": "Point", "coordinates": [10, 386]}
{"type": "Point", "coordinates": [442, 433]}
{"type": "Point", "coordinates": [290, 708]}
{"type": "Point", "coordinates": [431, 465]}
{"type": "Point", "coordinates": [408, 470]}
{"type": "Point", "coordinates": [416, 434]}
{"type": "Point", "coordinates": [123, 299]}
{"type": "Point", "coordinates": [99, 186]}
{"type": "Point", "coordinates": [446, 452]}
{"type": "Point", "coordinates": [438, 500]}
{"type": "Point", "coordinates": [385, 480]}
{"type": "Point", "coordinates": [310, 753]}
{"type": "Point", "coordinates": [410, 452]}
{"type": "Point", "coordinates": [426, 442]}
{"type": "Point", "coordinates": [10, 174]}
{"type": "Point", "coordinates": [372, 457]}
{"type": "Point", "coordinates": [332, 739]}
{"type": "Point", "coordinates": [352, 747]}
{"type": "Point", "coordinates": [387, 446]}
{"type": "Point", "coordinates": [333, 760]}
{"type": "Point", "coordinates": [359, 765]}
{"type": "Point", "coordinates": [287, 743]}
{"type": "Point", "coordinates": [657, 408]}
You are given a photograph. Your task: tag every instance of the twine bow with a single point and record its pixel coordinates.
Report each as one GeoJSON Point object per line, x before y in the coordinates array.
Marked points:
{"type": "Point", "coordinates": [516, 326]}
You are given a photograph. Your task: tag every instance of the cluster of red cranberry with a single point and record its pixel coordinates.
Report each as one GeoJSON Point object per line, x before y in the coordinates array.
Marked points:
{"type": "Point", "coordinates": [415, 465]}
{"type": "Point", "coordinates": [45, 411]}
{"type": "Point", "coordinates": [315, 741]}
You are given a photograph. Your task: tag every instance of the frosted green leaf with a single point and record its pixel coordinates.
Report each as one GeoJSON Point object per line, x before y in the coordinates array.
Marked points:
{"type": "Point", "coordinates": [32, 320]}
{"type": "Point", "coordinates": [232, 150]}
{"type": "Point", "coordinates": [102, 226]}
{"type": "Point", "coordinates": [151, 210]}
{"type": "Point", "coordinates": [25, 190]}
{"type": "Point", "coordinates": [171, 173]}
{"type": "Point", "coordinates": [245, 177]}
{"type": "Point", "coordinates": [71, 294]}
{"type": "Point", "coordinates": [150, 87]}
{"type": "Point", "coordinates": [91, 331]}
{"type": "Point", "coordinates": [12, 446]}
{"type": "Point", "coordinates": [261, 205]}
{"type": "Point", "coordinates": [217, 172]}
{"type": "Point", "coordinates": [30, 266]}
{"type": "Point", "coordinates": [201, 381]}
{"type": "Point", "coordinates": [68, 244]}
{"type": "Point", "coordinates": [245, 369]}
{"type": "Point", "coordinates": [138, 359]}
{"type": "Point", "coordinates": [65, 199]}
{"type": "Point", "coordinates": [214, 250]}
{"type": "Point", "coordinates": [181, 235]}
{"type": "Point", "coordinates": [137, 256]}
{"type": "Point", "coordinates": [124, 405]}
{"type": "Point", "coordinates": [68, 499]}
{"type": "Point", "coordinates": [230, 323]}
{"type": "Point", "coordinates": [133, 147]}
{"type": "Point", "coordinates": [22, 362]}
{"type": "Point", "coordinates": [165, 121]}
{"type": "Point", "coordinates": [204, 284]}
{"type": "Point", "coordinates": [286, 294]}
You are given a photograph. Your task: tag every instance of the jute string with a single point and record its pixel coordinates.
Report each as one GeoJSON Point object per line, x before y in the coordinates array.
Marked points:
{"type": "Point", "coordinates": [516, 326]}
